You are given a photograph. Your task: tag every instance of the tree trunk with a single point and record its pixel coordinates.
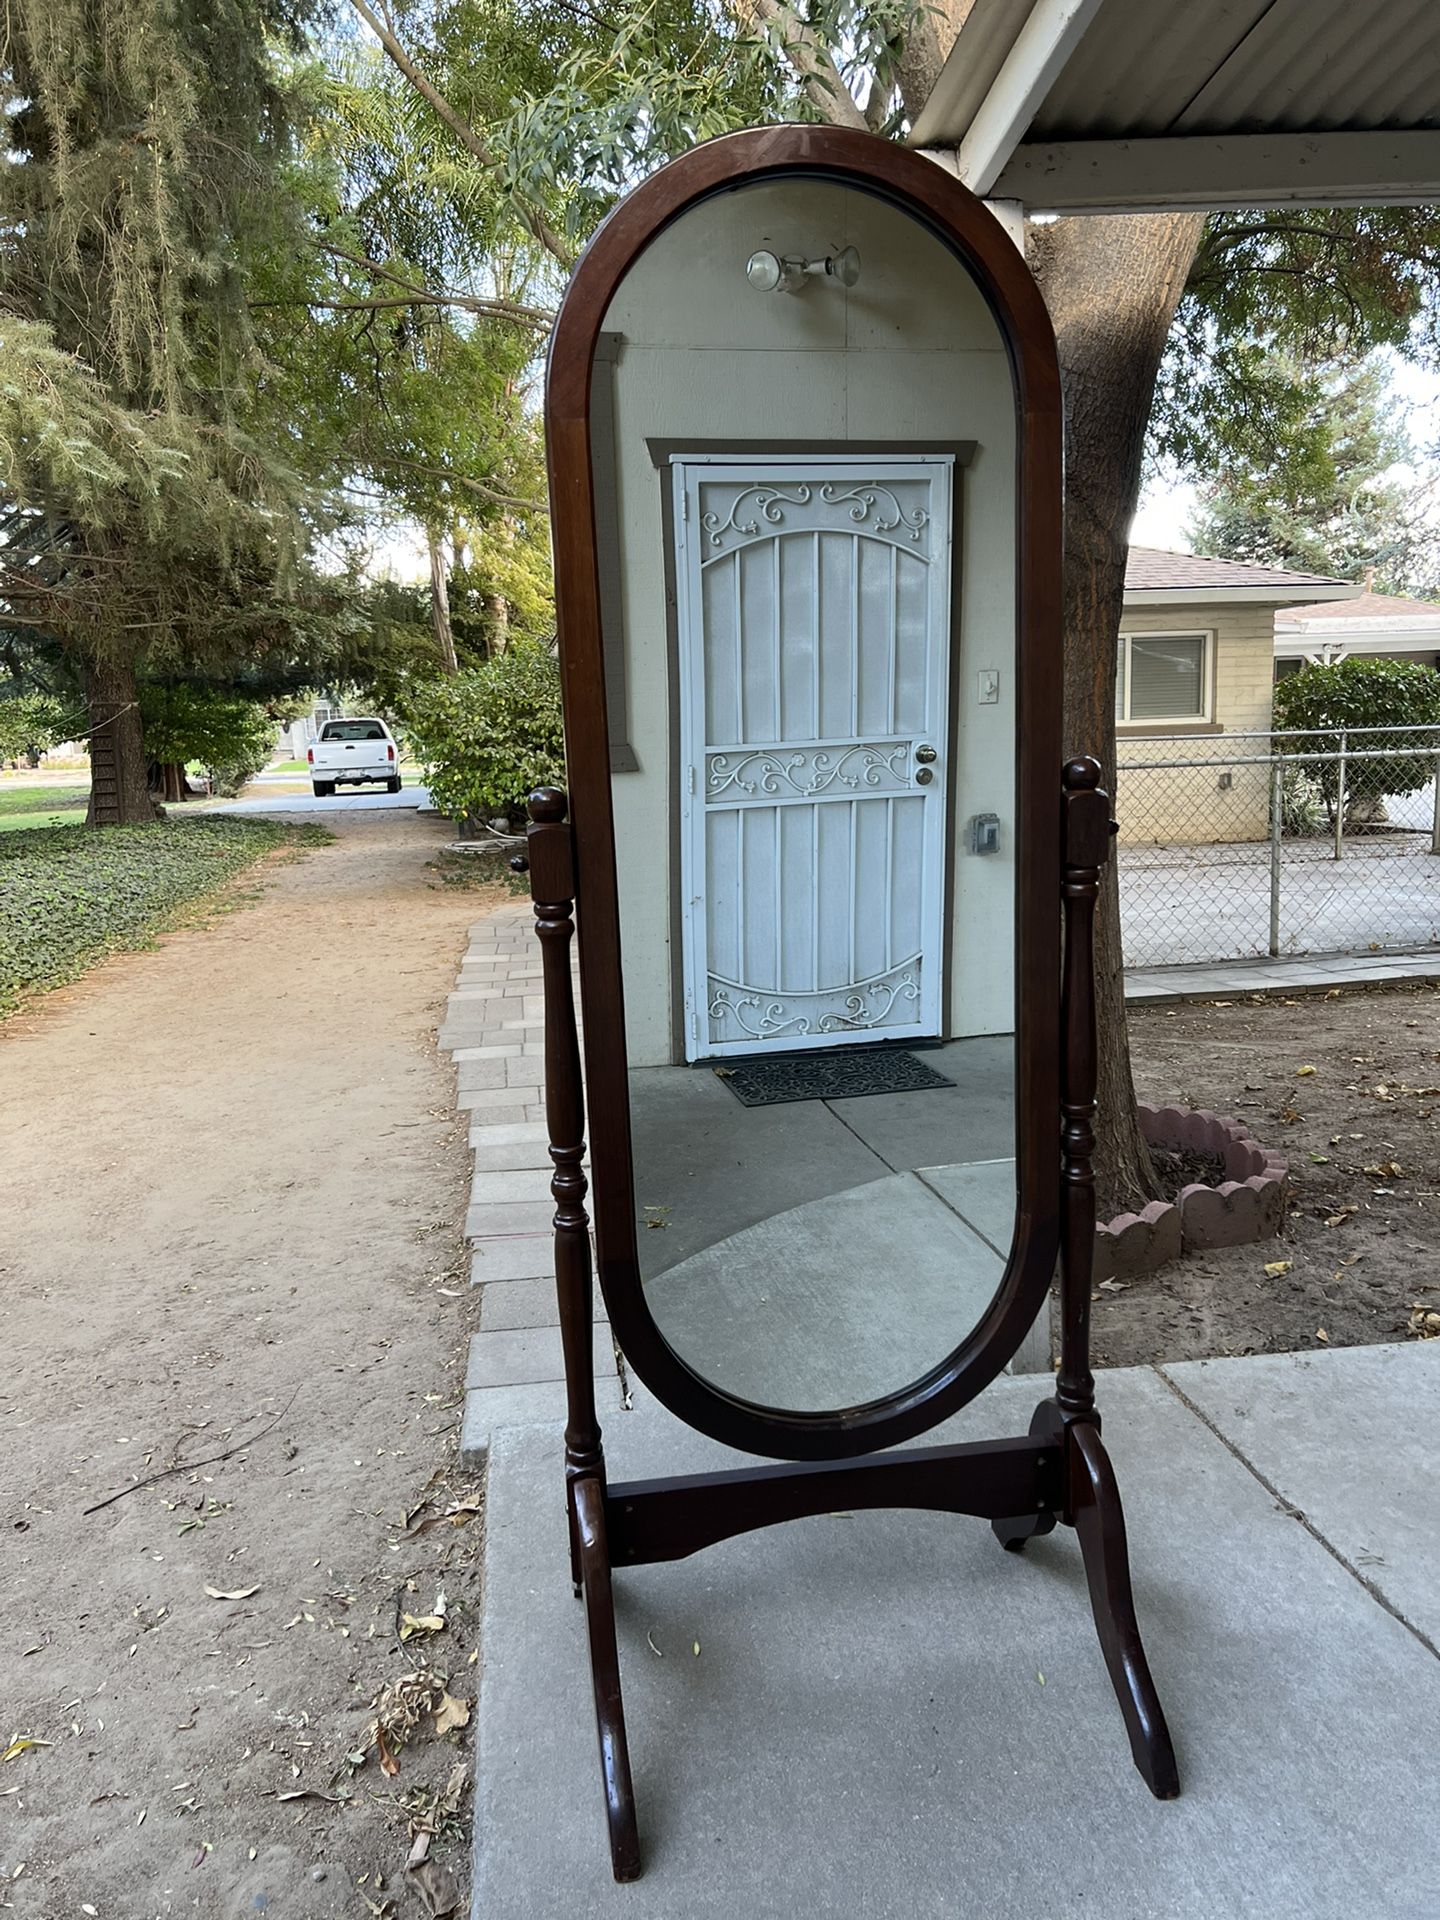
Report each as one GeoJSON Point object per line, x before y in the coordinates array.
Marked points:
{"type": "Point", "coordinates": [440, 603]}
{"type": "Point", "coordinates": [166, 780]}
{"type": "Point", "coordinates": [119, 792]}
{"type": "Point", "coordinates": [1112, 286]}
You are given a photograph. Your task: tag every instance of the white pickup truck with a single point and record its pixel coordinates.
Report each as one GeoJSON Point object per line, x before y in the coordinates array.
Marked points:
{"type": "Point", "coordinates": [352, 752]}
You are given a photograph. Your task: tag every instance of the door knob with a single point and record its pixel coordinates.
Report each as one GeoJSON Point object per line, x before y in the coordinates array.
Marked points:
{"type": "Point", "coordinates": [925, 755]}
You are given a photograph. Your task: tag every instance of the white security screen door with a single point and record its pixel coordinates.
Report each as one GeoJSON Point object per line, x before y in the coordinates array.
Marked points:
{"type": "Point", "coordinates": [814, 616]}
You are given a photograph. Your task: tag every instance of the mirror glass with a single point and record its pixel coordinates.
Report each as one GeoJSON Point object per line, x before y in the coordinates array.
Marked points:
{"type": "Point", "coordinates": [805, 476]}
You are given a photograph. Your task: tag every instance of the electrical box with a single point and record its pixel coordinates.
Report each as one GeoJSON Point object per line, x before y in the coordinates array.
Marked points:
{"type": "Point", "coordinates": [985, 833]}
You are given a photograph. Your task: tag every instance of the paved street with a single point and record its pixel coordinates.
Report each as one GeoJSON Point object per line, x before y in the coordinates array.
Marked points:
{"type": "Point", "coordinates": [354, 800]}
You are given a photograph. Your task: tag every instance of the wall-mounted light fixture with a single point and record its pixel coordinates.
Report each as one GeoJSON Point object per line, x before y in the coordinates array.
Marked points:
{"type": "Point", "coordinates": [770, 273]}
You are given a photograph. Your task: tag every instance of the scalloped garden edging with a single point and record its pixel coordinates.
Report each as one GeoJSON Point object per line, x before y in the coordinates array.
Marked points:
{"type": "Point", "coordinates": [1248, 1205]}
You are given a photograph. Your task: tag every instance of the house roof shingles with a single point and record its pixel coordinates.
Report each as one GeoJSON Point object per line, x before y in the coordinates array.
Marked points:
{"type": "Point", "coordinates": [1380, 612]}
{"type": "Point", "coordinates": [1152, 570]}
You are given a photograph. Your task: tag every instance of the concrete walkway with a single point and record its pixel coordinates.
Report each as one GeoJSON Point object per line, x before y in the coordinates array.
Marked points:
{"type": "Point", "coordinates": [888, 1716]}
{"type": "Point", "coordinates": [1287, 974]}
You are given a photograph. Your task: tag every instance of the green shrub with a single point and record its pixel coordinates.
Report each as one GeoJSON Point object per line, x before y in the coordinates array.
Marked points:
{"type": "Point", "coordinates": [487, 737]}
{"type": "Point", "coordinates": [31, 722]}
{"type": "Point", "coordinates": [232, 736]}
{"type": "Point", "coordinates": [1355, 694]}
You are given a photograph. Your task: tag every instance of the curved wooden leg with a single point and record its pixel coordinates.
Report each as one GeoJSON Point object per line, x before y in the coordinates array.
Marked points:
{"type": "Point", "coordinates": [1013, 1533]}
{"type": "Point", "coordinates": [587, 1495]}
{"type": "Point", "coordinates": [1100, 1524]}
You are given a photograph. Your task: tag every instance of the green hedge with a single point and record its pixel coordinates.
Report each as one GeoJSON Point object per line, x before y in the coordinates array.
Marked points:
{"type": "Point", "coordinates": [69, 895]}
{"type": "Point", "coordinates": [488, 737]}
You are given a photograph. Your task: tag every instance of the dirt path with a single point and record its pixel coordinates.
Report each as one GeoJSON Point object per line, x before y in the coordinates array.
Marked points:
{"type": "Point", "coordinates": [232, 1189]}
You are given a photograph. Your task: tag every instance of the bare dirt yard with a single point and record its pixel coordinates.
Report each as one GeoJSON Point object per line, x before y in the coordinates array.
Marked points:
{"type": "Point", "coordinates": [1347, 1087]}
{"type": "Point", "coordinates": [232, 1190]}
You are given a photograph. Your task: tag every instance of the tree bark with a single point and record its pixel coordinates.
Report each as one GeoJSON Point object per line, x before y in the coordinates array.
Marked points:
{"type": "Point", "coordinates": [1112, 286]}
{"type": "Point", "coordinates": [119, 790]}
{"type": "Point", "coordinates": [440, 604]}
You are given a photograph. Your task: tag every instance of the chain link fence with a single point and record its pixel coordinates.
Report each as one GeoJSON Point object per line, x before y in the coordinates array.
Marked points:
{"type": "Point", "coordinates": [1278, 843]}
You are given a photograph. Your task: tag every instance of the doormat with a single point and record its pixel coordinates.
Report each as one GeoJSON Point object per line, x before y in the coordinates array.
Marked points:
{"type": "Point", "coordinates": [828, 1076]}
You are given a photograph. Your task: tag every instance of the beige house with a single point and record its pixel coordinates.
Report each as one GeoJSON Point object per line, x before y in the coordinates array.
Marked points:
{"type": "Point", "coordinates": [1197, 663]}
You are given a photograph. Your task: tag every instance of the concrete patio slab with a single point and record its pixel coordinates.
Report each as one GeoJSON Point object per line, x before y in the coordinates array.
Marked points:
{"type": "Point", "coordinates": [983, 1194]}
{"type": "Point", "coordinates": [832, 1303]}
{"type": "Point", "coordinates": [864, 1731]}
{"type": "Point", "coordinates": [1348, 1439]}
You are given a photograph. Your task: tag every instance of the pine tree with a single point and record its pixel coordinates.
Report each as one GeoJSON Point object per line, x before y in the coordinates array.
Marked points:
{"type": "Point", "coordinates": [1319, 498]}
{"type": "Point", "coordinates": [152, 517]}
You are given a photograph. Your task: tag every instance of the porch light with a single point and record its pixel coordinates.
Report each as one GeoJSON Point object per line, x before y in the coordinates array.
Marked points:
{"type": "Point", "coordinates": [769, 273]}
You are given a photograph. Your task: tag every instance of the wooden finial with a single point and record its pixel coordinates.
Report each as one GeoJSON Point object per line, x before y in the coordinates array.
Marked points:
{"type": "Point", "coordinates": [547, 806]}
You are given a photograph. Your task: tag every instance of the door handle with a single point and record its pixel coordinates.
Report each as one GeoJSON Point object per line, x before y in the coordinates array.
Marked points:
{"type": "Point", "coordinates": [925, 755]}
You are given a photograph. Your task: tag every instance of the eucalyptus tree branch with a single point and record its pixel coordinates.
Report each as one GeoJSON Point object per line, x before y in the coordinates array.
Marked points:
{"type": "Point", "coordinates": [474, 303]}
{"type": "Point", "coordinates": [533, 218]}
{"type": "Point", "coordinates": [464, 480]}
{"type": "Point", "coordinates": [493, 309]}
{"type": "Point", "coordinates": [824, 87]}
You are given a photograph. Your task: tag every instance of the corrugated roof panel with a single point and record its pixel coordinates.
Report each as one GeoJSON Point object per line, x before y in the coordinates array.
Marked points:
{"type": "Point", "coordinates": [1236, 66]}
{"type": "Point", "coordinates": [991, 28]}
{"type": "Point", "coordinates": [1323, 65]}
{"type": "Point", "coordinates": [1140, 66]}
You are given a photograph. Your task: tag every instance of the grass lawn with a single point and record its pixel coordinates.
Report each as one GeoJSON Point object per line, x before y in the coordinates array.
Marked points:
{"type": "Point", "coordinates": [66, 814]}
{"type": "Point", "coordinates": [70, 895]}
{"type": "Point", "coordinates": [39, 806]}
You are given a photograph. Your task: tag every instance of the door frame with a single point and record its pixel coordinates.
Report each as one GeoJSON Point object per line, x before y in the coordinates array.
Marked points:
{"type": "Point", "coordinates": [935, 899]}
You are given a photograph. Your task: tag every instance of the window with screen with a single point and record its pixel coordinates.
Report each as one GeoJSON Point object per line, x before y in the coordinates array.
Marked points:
{"type": "Point", "coordinates": [1163, 677]}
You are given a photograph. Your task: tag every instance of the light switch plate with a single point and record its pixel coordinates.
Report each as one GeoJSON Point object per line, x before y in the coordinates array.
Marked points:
{"type": "Point", "coordinates": [989, 686]}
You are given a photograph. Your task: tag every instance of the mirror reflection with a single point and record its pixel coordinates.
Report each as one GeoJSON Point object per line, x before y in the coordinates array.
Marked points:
{"type": "Point", "coordinates": [809, 649]}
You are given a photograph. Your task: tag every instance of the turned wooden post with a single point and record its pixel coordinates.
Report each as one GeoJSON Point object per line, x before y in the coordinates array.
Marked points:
{"type": "Point", "coordinates": [550, 859]}
{"type": "Point", "coordinates": [1086, 840]}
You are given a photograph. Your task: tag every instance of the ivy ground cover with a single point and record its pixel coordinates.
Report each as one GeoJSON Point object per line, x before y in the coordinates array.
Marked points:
{"type": "Point", "coordinates": [70, 895]}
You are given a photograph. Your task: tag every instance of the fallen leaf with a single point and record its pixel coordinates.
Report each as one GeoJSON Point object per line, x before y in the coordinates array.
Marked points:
{"type": "Point", "coordinates": [22, 1743]}
{"type": "Point", "coordinates": [1040, 1677]}
{"type": "Point", "coordinates": [436, 1889]}
{"type": "Point", "coordinates": [1341, 1215]}
{"type": "Point", "coordinates": [1321, 1334]}
{"type": "Point", "coordinates": [697, 1649]}
{"type": "Point", "coordinates": [413, 1623]}
{"type": "Point", "coordinates": [232, 1593]}
{"type": "Point", "coordinates": [388, 1763]}
{"type": "Point", "coordinates": [452, 1713]}
{"type": "Point", "coordinates": [1112, 1286]}
{"type": "Point", "coordinates": [1302, 1073]}
{"type": "Point", "coordinates": [1276, 1267]}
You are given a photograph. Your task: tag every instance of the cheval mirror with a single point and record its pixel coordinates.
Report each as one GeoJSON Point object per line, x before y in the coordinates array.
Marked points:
{"type": "Point", "coordinates": [818, 844]}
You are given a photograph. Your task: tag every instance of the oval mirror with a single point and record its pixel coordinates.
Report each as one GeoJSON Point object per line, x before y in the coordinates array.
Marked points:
{"type": "Point", "coordinates": [824, 1163]}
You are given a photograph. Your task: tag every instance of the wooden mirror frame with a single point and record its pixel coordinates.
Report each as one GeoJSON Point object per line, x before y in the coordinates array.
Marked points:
{"type": "Point", "coordinates": [954, 216]}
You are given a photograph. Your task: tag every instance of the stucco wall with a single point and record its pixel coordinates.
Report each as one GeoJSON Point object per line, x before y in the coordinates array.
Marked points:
{"type": "Point", "coordinates": [1221, 800]}
{"type": "Point", "coordinates": [910, 354]}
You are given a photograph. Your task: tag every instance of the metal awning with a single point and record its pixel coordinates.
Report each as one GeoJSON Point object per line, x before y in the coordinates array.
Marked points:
{"type": "Point", "coordinates": [1124, 106]}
